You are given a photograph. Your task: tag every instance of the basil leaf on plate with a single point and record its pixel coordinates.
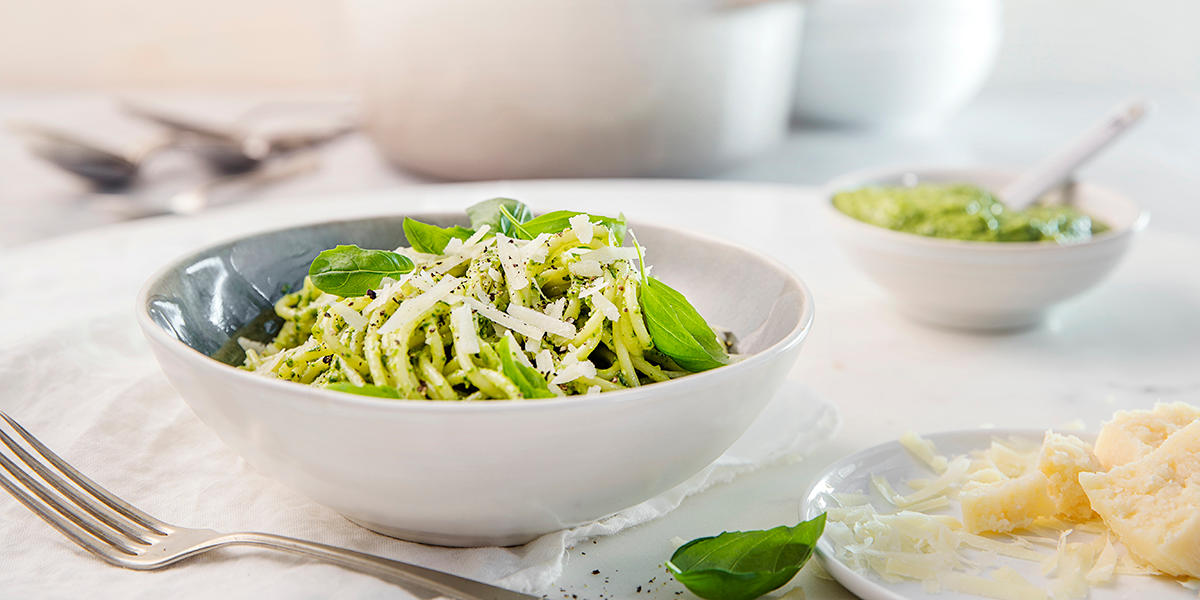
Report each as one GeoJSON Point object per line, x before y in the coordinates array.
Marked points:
{"type": "Point", "coordinates": [350, 271]}
{"type": "Point", "coordinates": [743, 565]}
{"type": "Point", "coordinates": [559, 220]}
{"type": "Point", "coordinates": [677, 329]}
{"type": "Point", "coordinates": [432, 239]}
{"type": "Point", "coordinates": [528, 380]}
{"type": "Point", "coordinates": [376, 391]}
{"type": "Point", "coordinates": [492, 212]}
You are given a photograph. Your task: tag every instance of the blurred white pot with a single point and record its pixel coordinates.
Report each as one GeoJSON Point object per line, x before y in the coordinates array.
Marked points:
{"type": "Point", "coordinates": [894, 63]}
{"type": "Point", "coordinates": [487, 89]}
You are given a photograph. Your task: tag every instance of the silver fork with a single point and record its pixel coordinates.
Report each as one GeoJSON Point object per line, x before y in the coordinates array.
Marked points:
{"type": "Point", "coordinates": [125, 536]}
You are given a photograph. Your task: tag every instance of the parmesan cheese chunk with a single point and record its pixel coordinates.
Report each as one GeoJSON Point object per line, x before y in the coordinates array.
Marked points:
{"type": "Point", "coordinates": [1006, 505]}
{"type": "Point", "coordinates": [1132, 434]}
{"type": "Point", "coordinates": [1062, 459]}
{"type": "Point", "coordinates": [1153, 503]}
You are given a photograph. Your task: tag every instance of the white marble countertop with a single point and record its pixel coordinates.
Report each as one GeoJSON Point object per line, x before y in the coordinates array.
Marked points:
{"type": "Point", "coordinates": [1133, 341]}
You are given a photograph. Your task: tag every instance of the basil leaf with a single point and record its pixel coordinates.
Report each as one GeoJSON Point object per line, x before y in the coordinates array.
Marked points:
{"type": "Point", "coordinates": [488, 213]}
{"type": "Point", "coordinates": [350, 271]}
{"type": "Point", "coordinates": [677, 330]}
{"type": "Point", "coordinates": [743, 565]}
{"type": "Point", "coordinates": [529, 381]}
{"type": "Point", "coordinates": [376, 391]}
{"type": "Point", "coordinates": [432, 239]}
{"type": "Point", "coordinates": [559, 220]}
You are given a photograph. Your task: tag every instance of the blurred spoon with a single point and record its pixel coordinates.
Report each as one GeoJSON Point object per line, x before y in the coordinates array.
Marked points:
{"type": "Point", "coordinates": [1055, 170]}
{"type": "Point", "coordinates": [201, 197]}
{"type": "Point", "coordinates": [112, 169]}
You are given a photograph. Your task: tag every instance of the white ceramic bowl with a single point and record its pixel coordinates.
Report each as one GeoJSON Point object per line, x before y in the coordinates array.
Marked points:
{"type": "Point", "coordinates": [894, 63]}
{"type": "Point", "coordinates": [503, 89]}
{"type": "Point", "coordinates": [982, 285]}
{"type": "Point", "coordinates": [479, 473]}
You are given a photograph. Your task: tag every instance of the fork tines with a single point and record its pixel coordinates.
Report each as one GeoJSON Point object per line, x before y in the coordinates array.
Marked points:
{"type": "Point", "coordinates": [71, 502]}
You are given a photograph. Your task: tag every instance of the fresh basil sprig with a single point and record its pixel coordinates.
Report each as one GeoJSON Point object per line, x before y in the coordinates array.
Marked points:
{"type": "Point", "coordinates": [488, 213]}
{"type": "Point", "coordinates": [376, 391]}
{"type": "Point", "coordinates": [675, 326]}
{"type": "Point", "coordinates": [432, 239]}
{"type": "Point", "coordinates": [351, 271]}
{"type": "Point", "coordinates": [678, 330]}
{"type": "Point", "coordinates": [529, 381]}
{"type": "Point", "coordinates": [743, 565]}
{"type": "Point", "coordinates": [559, 220]}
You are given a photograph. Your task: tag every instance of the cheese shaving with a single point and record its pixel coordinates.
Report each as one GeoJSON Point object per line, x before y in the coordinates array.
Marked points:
{"type": "Point", "coordinates": [609, 254]}
{"type": "Point", "coordinates": [512, 263]}
{"type": "Point", "coordinates": [352, 317]}
{"type": "Point", "coordinates": [924, 450]}
{"type": "Point", "coordinates": [541, 321]}
{"type": "Point", "coordinates": [501, 318]}
{"type": "Point", "coordinates": [585, 268]}
{"type": "Point", "coordinates": [464, 329]}
{"type": "Point", "coordinates": [414, 307]}
{"type": "Point", "coordinates": [582, 227]}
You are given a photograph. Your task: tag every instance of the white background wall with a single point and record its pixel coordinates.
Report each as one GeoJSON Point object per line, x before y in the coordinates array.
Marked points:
{"type": "Point", "coordinates": [233, 44]}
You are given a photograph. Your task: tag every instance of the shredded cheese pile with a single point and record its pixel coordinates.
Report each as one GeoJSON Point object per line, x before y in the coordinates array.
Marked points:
{"type": "Point", "coordinates": [918, 538]}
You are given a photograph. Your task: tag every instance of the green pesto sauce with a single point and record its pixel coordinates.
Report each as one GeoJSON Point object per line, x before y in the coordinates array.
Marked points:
{"type": "Point", "coordinates": [964, 212]}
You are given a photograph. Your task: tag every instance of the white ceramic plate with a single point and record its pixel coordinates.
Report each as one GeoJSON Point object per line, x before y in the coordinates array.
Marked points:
{"type": "Point", "coordinates": [852, 475]}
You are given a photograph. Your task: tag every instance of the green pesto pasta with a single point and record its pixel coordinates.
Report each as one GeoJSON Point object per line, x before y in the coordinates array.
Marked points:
{"type": "Point", "coordinates": [490, 317]}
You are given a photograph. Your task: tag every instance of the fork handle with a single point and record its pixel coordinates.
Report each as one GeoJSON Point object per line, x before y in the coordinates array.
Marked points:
{"type": "Point", "coordinates": [452, 586]}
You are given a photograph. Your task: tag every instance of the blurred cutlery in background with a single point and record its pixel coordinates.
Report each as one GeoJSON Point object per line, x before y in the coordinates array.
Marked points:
{"type": "Point", "coordinates": [225, 150]}
{"type": "Point", "coordinates": [216, 192]}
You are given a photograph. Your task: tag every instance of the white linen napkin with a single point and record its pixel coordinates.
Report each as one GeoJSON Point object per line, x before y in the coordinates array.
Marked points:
{"type": "Point", "coordinates": [76, 372]}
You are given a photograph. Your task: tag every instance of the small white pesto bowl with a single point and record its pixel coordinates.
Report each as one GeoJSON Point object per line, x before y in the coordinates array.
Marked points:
{"type": "Point", "coordinates": [468, 473]}
{"type": "Point", "coordinates": [982, 285]}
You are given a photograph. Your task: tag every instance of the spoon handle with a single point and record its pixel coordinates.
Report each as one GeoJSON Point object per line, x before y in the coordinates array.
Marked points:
{"type": "Point", "coordinates": [1053, 171]}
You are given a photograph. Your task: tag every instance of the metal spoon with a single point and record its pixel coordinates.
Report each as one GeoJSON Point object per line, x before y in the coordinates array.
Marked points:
{"type": "Point", "coordinates": [201, 197]}
{"type": "Point", "coordinates": [109, 169]}
{"type": "Point", "coordinates": [1056, 170]}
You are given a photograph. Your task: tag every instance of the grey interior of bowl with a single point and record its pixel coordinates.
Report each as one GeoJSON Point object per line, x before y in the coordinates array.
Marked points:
{"type": "Point", "coordinates": [219, 294]}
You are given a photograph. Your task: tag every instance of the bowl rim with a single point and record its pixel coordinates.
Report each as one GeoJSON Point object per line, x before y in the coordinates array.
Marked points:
{"type": "Point", "coordinates": [861, 177]}
{"type": "Point", "coordinates": [158, 335]}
